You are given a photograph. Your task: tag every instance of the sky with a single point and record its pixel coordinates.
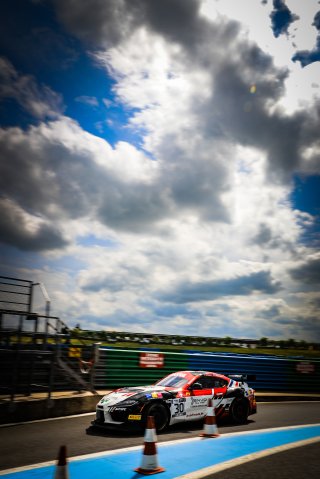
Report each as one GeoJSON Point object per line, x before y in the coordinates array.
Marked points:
{"type": "Point", "coordinates": [159, 163]}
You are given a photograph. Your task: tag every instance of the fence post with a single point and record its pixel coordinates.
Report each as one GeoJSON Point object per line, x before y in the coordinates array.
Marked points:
{"type": "Point", "coordinates": [31, 374]}
{"type": "Point", "coordinates": [95, 358]}
{"type": "Point", "coordinates": [15, 374]}
{"type": "Point", "coordinates": [52, 371]}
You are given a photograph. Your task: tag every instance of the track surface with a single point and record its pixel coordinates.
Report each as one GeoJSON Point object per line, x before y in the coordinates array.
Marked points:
{"type": "Point", "coordinates": [298, 463]}
{"type": "Point", "coordinates": [31, 443]}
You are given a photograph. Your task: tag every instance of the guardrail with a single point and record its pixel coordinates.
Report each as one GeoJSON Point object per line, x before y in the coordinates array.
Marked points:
{"type": "Point", "coordinates": [122, 367]}
{"type": "Point", "coordinates": [98, 368]}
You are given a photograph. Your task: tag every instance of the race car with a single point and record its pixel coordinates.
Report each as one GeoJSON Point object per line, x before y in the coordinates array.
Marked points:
{"type": "Point", "coordinates": [179, 397]}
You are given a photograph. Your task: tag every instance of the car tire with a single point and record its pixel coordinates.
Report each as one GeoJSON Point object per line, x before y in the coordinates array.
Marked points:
{"type": "Point", "coordinates": [240, 411]}
{"type": "Point", "coordinates": [160, 414]}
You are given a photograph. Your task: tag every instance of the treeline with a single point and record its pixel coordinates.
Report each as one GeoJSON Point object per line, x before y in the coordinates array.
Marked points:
{"type": "Point", "coordinates": [181, 340]}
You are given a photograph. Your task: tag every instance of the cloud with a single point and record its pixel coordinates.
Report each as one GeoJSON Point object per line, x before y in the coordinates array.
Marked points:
{"type": "Point", "coordinates": [306, 57]}
{"type": "Point", "coordinates": [210, 290]}
{"type": "Point", "coordinates": [226, 94]}
{"type": "Point", "coordinates": [190, 226]}
{"type": "Point", "coordinates": [38, 100]}
{"type": "Point", "coordinates": [307, 272]}
{"type": "Point", "coordinates": [253, 119]}
{"type": "Point", "coordinates": [26, 232]}
{"type": "Point", "coordinates": [87, 100]}
{"type": "Point", "coordinates": [271, 312]}
{"type": "Point", "coordinates": [44, 169]}
{"type": "Point", "coordinates": [108, 23]}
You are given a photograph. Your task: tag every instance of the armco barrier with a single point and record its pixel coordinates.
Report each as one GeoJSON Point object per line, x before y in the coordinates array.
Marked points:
{"type": "Point", "coordinates": [121, 367]}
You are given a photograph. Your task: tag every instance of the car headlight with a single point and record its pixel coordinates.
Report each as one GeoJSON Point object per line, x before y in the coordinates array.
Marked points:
{"type": "Point", "coordinates": [128, 402]}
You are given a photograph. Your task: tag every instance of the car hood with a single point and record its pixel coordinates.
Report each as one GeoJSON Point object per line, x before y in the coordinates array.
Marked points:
{"type": "Point", "coordinates": [122, 394]}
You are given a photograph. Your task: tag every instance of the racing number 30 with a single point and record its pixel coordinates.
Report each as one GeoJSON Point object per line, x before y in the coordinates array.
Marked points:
{"type": "Point", "coordinates": [179, 408]}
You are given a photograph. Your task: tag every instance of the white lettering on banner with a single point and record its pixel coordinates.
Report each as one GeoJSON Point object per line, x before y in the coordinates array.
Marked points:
{"type": "Point", "coordinates": [305, 367]}
{"type": "Point", "coordinates": [151, 360]}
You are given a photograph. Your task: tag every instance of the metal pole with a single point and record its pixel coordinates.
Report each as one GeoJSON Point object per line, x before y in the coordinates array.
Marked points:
{"type": "Point", "coordinates": [93, 369]}
{"type": "Point", "coordinates": [31, 285]}
{"type": "Point", "coordinates": [47, 310]}
{"type": "Point", "coordinates": [54, 355]}
{"type": "Point", "coordinates": [20, 328]}
{"type": "Point", "coordinates": [15, 372]}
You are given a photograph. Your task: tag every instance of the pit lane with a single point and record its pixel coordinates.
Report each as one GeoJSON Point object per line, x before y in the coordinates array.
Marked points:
{"type": "Point", "coordinates": [31, 443]}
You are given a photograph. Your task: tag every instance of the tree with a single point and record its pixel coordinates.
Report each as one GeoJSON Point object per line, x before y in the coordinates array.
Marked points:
{"type": "Point", "coordinates": [290, 343]}
{"type": "Point", "coordinates": [263, 342]}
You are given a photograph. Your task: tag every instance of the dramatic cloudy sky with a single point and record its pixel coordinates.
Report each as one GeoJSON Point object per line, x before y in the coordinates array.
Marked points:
{"type": "Point", "coordinates": [160, 162]}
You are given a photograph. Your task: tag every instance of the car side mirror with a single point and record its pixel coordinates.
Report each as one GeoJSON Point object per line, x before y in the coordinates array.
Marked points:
{"type": "Point", "coordinates": [196, 386]}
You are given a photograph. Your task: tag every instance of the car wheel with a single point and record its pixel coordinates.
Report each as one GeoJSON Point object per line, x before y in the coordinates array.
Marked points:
{"type": "Point", "coordinates": [160, 414]}
{"type": "Point", "coordinates": [240, 411]}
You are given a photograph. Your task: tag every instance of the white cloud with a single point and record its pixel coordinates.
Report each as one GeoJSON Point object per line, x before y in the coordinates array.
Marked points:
{"type": "Point", "coordinates": [199, 233]}
{"type": "Point", "coordinates": [87, 100]}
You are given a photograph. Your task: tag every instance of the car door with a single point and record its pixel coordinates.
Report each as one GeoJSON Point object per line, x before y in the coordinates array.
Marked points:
{"type": "Point", "coordinates": [197, 402]}
{"type": "Point", "coordinates": [220, 388]}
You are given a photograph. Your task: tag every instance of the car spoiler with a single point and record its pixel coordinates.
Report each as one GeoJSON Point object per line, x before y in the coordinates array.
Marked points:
{"type": "Point", "coordinates": [242, 377]}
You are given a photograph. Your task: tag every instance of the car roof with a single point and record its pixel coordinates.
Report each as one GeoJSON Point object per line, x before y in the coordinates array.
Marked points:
{"type": "Point", "coordinates": [202, 373]}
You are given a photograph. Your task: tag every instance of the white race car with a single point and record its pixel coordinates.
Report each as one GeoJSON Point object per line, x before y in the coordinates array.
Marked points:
{"type": "Point", "coordinates": [180, 396]}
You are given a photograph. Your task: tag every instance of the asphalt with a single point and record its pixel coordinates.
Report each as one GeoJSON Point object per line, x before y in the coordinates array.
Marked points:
{"type": "Point", "coordinates": [66, 403]}
{"type": "Point", "coordinates": [198, 457]}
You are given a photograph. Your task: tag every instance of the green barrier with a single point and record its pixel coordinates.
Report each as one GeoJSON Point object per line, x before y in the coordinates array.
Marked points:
{"type": "Point", "coordinates": [134, 368]}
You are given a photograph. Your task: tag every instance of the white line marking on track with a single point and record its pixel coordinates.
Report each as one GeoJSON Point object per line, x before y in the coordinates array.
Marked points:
{"type": "Point", "coordinates": [201, 473]}
{"type": "Point", "coordinates": [48, 419]}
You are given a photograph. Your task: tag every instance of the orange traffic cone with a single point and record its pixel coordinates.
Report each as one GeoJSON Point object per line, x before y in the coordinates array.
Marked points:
{"type": "Point", "coordinates": [62, 468]}
{"type": "Point", "coordinates": [149, 463]}
{"type": "Point", "coordinates": [210, 426]}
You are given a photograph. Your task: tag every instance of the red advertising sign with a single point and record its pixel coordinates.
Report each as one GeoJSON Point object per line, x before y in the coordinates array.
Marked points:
{"type": "Point", "coordinates": [305, 367]}
{"type": "Point", "coordinates": [151, 360]}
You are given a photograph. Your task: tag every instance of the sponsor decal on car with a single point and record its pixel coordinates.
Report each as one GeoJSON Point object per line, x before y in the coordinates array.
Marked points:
{"type": "Point", "coordinates": [198, 402]}
{"type": "Point", "coordinates": [134, 417]}
{"type": "Point", "coordinates": [156, 395]}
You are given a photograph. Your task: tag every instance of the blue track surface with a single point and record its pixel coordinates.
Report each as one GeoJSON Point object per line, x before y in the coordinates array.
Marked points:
{"type": "Point", "coordinates": [177, 458]}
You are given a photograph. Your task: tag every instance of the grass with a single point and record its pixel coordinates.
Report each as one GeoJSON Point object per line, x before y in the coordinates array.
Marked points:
{"type": "Point", "coordinates": [307, 354]}
{"type": "Point", "coordinates": [293, 352]}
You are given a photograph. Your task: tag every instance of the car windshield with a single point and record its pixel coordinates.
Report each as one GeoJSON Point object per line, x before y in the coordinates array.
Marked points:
{"type": "Point", "coordinates": [173, 381]}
